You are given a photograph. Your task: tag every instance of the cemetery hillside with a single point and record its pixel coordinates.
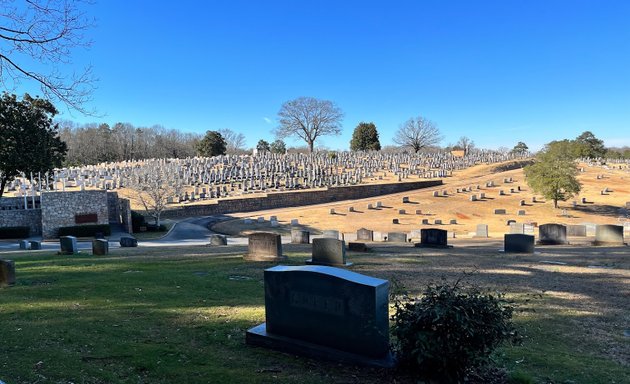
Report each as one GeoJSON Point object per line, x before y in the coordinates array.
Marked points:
{"type": "Point", "coordinates": [438, 266]}
{"type": "Point", "coordinates": [432, 192]}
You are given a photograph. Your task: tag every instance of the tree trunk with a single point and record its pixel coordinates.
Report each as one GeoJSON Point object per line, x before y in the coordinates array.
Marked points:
{"type": "Point", "coordinates": [555, 203]}
{"type": "Point", "coordinates": [3, 183]}
{"type": "Point", "coordinates": [311, 143]}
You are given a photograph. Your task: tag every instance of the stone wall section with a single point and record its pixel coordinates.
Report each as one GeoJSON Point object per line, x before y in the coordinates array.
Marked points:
{"type": "Point", "coordinates": [297, 198]}
{"type": "Point", "coordinates": [31, 218]}
{"type": "Point", "coordinates": [59, 209]}
{"type": "Point", "coordinates": [113, 207]}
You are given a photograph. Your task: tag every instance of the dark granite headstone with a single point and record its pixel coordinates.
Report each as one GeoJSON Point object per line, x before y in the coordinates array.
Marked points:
{"type": "Point", "coordinates": [25, 245]}
{"type": "Point", "coordinates": [395, 221]}
{"type": "Point", "coordinates": [7, 273]}
{"type": "Point", "coordinates": [481, 230]}
{"type": "Point", "coordinates": [357, 247]}
{"type": "Point", "coordinates": [327, 313]}
{"type": "Point", "coordinates": [518, 243]}
{"type": "Point", "coordinates": [552, 234]}
{"type": "Point", "coordinates": [576, 230]}
{"type": "Point", "coordinates": [433, 237]}
{"type": "Point", "coordinates": [499, 211]}
{"type": "Point", "coordinates": [299, 236]}
{"type": "Point", "coordinates": [331, 252]}
{"type": "Point", "coordinates": [100, 247]}
{"type": "Point", "coordinates": [365, 234]}
{"type": "Point", "coordinates": [216, 239]}
{"type": "Point", "coordinates": [609, 235]}
{"type": "Point", "coordinates": [396, 237]}
{"type": "Point", "coordinates": [36, 245]}
{"type": "Point", "coordinates": [68, 245]}
{"type": "Point", "coordinates": [128, 242]}
{"type": "Point", "coordinates": [264, 246]}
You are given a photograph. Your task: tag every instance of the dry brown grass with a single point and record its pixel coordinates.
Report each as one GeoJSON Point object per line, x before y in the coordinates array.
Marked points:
{"type": "Point", "coordinates": [601, 209]}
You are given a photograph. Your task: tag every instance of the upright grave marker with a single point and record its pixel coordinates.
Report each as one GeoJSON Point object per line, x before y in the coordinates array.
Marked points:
{"type": "Point", "coordinates": [609, 235]}
{"type": "Point", "coordinates": [264, 246]}
{"type": "Point", "coordinates": [331, 252]}
{"type": "Point", "coordinates": [68, 245]}
{"type": "Point", "coordinates": [100, 247]}
{"type": "Point", "coordinates": [327, 313]}
{"type": "Point", "coordinates": [518, 243]}
{"type": "Point", "coordinates": [7, 273]}
{"type": "Point", "coordinates": [433, 238]}
{"type": "Point", "coordinates": [552, 234]}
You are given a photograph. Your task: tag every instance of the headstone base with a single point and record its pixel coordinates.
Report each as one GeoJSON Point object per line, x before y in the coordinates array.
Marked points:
{"type": "Point", "coordinates": [357, 247]}
{"type": "Point", "coordinates": [259, 336]}
{"type": "Point", "coordinates": [249, 257]}
{"type": "Point", "coordinates": [423, 245]}
{"type": "Point", "coordinates": [311, 262]}
{"type": "Point", "coordinates": [609, 243]}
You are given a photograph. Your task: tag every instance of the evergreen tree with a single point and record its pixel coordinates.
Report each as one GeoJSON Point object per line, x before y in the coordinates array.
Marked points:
{"type": "Point", "coordinates": [212, 144]}
{"type": "Point", "coordinates": [365, 138]}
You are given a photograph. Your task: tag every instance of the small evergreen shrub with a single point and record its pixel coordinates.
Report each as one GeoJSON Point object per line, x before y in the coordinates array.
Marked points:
{"type": "Point", "coordinates": [450, 330]}
{"type": "Point", "coordinates": [137, 221]}
{"type": "Point", "coordinates": [15, 232]}
{"type": "Point", "coordinates": [85, 230]}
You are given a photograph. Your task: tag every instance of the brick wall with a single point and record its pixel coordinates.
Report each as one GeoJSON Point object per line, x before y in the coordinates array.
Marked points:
{"type": "Point", "coordinates": [296, 199]}
{"type": "Point", "coordinates": [59, 208]}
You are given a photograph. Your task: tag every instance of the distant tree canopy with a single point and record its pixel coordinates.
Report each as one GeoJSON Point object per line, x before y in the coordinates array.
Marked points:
{"type": "Point", "coordinates": [212, 144]}
{"type": "Point", "coordinates": [278, 146]}
{"type": "Point", "coordinates": [554, 173]}
{"type": "Point", "coordinates": [417, 133]}
{"type": "Point", "coordinates": [29, 141]}
{"type": "Point", "coordinates": [587, 145]}
{"type": "Point", "coordinates": [309, 118]}
{"type": "Point", "coordinates": [234, 142]}
{"type": "Point", "coordinates": [465, 144]}
{"type": "Point", "coordinates": [263, 146]}
{"type": "Point", "coordinates": [365, 138]}
{"type": "Point", "coordinates": [96, 143]}
{"type": "Point", "coordinates": [520, 148]}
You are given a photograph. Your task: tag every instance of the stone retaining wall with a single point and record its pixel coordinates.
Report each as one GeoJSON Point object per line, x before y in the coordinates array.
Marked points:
{"type": "Point", "coordinates": [59, 209]}
{"type": "Point", "coordinates": [31, 218]}
{"type": "Point", "coordinates": [296, 199]}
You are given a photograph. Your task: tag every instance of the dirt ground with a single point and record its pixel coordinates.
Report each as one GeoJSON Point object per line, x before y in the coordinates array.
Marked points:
{"type": "Point", "coordinates": [598, 209]}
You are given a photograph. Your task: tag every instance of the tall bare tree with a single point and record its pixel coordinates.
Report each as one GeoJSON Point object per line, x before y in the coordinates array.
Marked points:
{"type": "Point", "coordinates": [466, 144]}
{"type": "Point", "coordinates": [234, 142]}
{"type": "Point", "coordinates": [309, 118]}
{"type": "Point", "coordinates": [37, 40]}
{"type": "Point", "coordinates": [417, 133]}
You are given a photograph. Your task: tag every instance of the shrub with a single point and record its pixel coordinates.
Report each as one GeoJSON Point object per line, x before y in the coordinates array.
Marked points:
{"type": "Point", "coordinates": [450, 330]}
{"type": "Point", "coordinates": [15, 232]}
{"type": "Point", "coordinates": [137, 221]}
{"type": "Point", "coordinates": [156, 228]}
{"type": "Point", "coordinates": [85, 230]}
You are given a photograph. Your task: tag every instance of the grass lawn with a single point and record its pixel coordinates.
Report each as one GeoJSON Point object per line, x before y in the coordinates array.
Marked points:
{"type": "Point", "coordinates": [179, 315]}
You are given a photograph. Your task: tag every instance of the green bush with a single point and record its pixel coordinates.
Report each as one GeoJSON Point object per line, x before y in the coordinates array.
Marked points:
{"type": "Point", "coordinates": [85, 230]}
{"type": "Point", "coordinates": [15, 232]}
{"type": "Point", "coordinates": [137, 221]}
{"type": "Point", "coordinates": [450, 330]}
{"type": "Point", "coordinates": [156, 228]}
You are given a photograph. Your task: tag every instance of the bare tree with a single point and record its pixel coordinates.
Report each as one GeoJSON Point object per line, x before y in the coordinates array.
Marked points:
{"type": "Point", "coordinates": [235, 142]}
{"type": "Point", "coordinates": [309, 118]}
{"type": "Point", "coordinates": [37, 39]}
{"type": "Point", "coordinates": [417, 134]}
{"type": "Point", "coordinates": [466, 144]}
{"type": "Point", "coordinates": [153, 183]}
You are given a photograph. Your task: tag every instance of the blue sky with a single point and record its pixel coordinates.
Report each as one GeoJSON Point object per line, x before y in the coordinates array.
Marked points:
{"type": "Point", "coordinates": [498, 72]}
